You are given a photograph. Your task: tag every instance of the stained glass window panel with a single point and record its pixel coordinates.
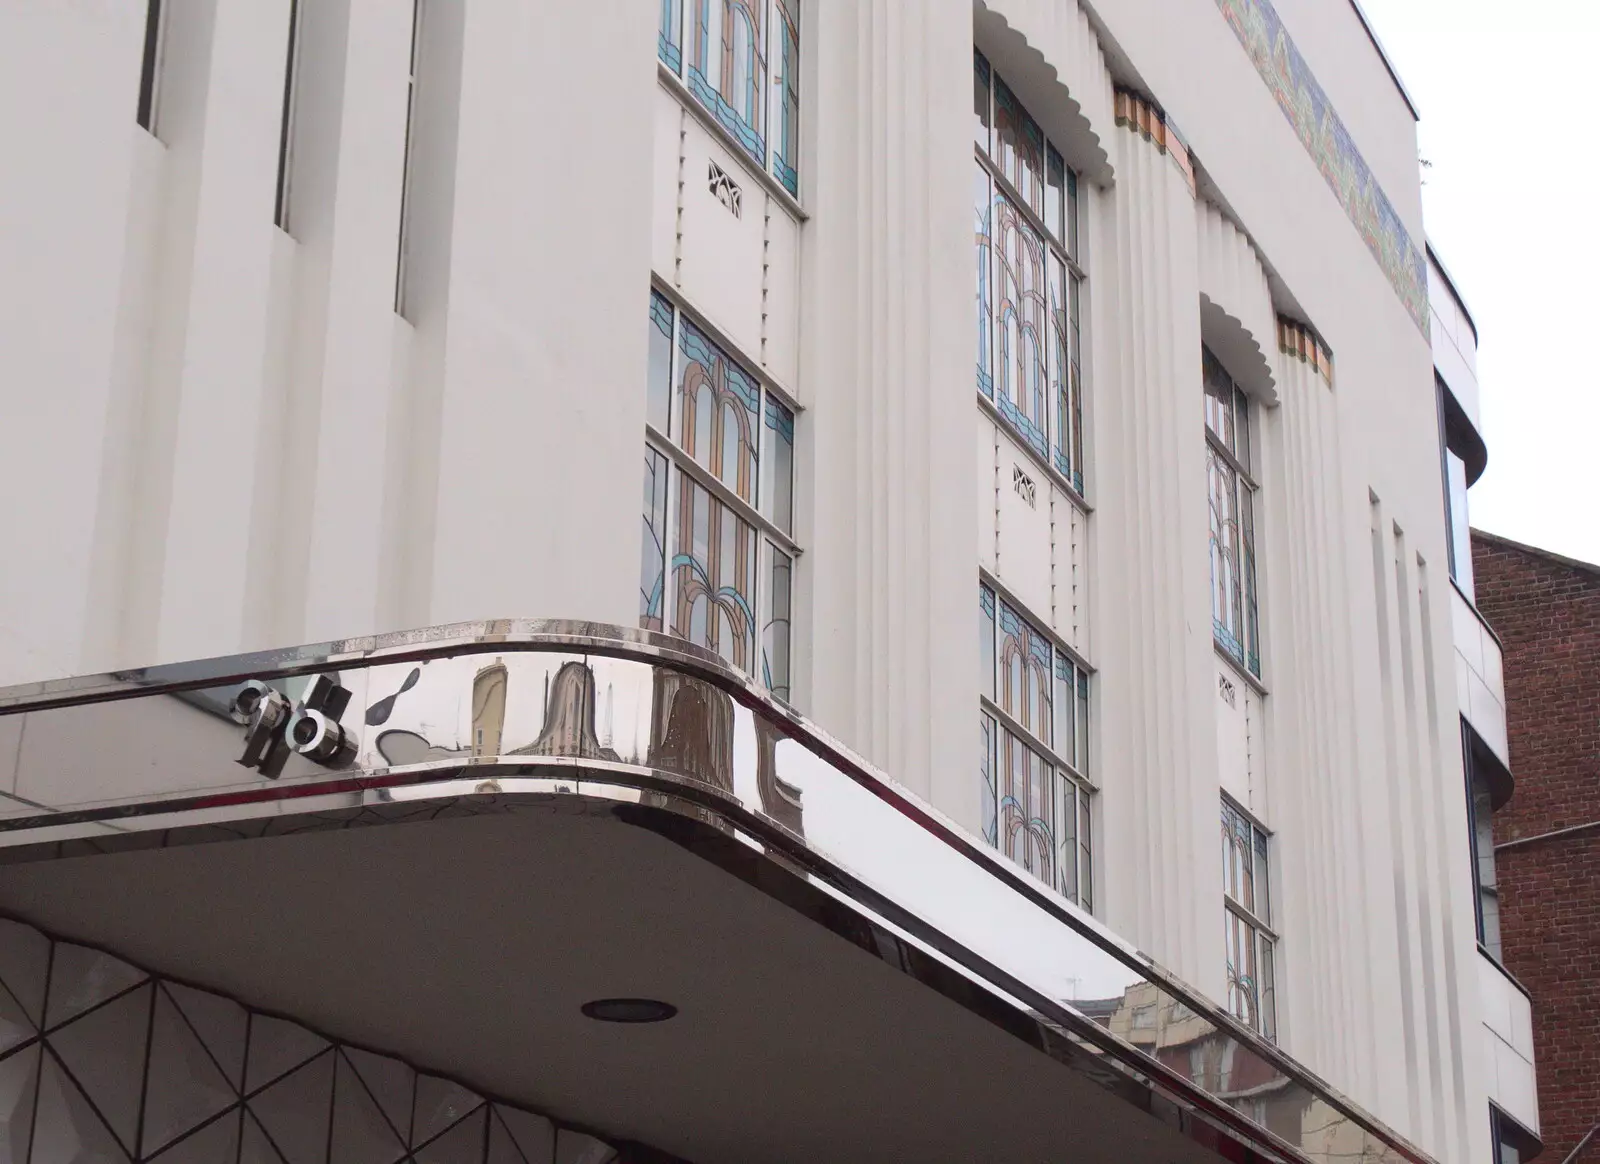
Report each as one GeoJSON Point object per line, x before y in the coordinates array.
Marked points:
{"type": "Point", "coordinates": [786, 96]}
{"type": "Point", "coordinates": [1066, 721]}
{"type": "Point", "coordinates": [778, 490]}
{"type": "Point", "coordinates": [1083, 721]}
{"type": "Point", "coordinates": [1021, 145]}
{"type": "Point", "coordinates": [986, 641]}
{"type": "Point", "coordinates": [1055, 193]}
{"type": "Point", "coordinates": [988, 805]}
{"type": "Point", "coordinates": [1075, 379]}
{"type": "Point", "coordinates": [727, 69]}
{"type": "Point", "coordinates": [653, 563]}
{"type": "Point", "coordinates": [1020, 311]}
{"type": "Point", "coordinates": [1219, 400]}
{"type": "Point", "coordinates": [714, 576]}
{"type": "Point", "coordinates": [982, 118]}
{"type": "Point", "coordinates": [1026, 677]}
{"type": "Point", "coordinates": [1067, 838]}
{"type": "Point", "coordinates": [1027, 808]}
{"type": "Point", "coordinates": [983, 211]}
{"type": "Point", "coordinates": [1226, 553]}
{"type": "Point", "coordinates": [718, 405]}
{"type": "Point", "coordinates": [669, 41]}
{"type": "Point", "coordinates": [1061, 366]}
{"type": "Point", "coordinates": [1085, 852]}
{"type": "Point", "coordinates": [1072, 215]}
{"type": "Point", "coordinates": [775, 636]}
{"type": "Point", "coordinates": [660, 388]}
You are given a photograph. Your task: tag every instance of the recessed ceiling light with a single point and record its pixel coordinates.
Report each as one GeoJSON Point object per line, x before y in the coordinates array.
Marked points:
{"type": "Point", "coordinates": [629, 1010]}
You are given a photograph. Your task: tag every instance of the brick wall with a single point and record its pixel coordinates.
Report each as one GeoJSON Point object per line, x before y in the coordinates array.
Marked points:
{"type": "Point", "coordinates": [1547, 613]}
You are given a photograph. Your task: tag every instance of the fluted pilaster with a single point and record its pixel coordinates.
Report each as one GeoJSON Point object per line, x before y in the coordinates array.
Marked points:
{"type": "Point", "coordinates": [1158, 760]}
{"type": "Point", "coordinates": [886, 359]}
{"type": "Point", "coordinates": [1236, 301]}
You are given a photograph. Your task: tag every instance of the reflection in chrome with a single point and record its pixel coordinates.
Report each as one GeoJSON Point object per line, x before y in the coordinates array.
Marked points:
{"type": "Point", "coordinates": [492, 717]}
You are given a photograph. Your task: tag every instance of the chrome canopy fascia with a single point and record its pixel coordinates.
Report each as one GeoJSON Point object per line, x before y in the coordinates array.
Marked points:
{"type": "Point", "coordinates": [493, 716]}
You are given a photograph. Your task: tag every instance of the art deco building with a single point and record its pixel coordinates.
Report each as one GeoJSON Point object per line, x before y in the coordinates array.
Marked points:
{"type": "Point", "coordinates": [639, 406]}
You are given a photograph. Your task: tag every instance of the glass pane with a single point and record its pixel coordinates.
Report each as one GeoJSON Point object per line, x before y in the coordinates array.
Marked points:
{"type": "Point", "coordinates": [669, 40]}
{"type": "Point", "coordinates": [786, 97]}
{"type": "Point", "coordinates": [1060, 367]}
{"type": "Point", "coordinates": [981, 114]}
{"type": "Point", "coordinates": [1083, 721]}
{"type": "Point", "coordinates": [1021, 146]}
{"type": "Point", "coordinates": [1226, 552]}
{"type": "Point", "coordinates": [727, 71]}
{"type": "Point", "coordinates": [1241, 428]}
{"type": "Point", "coordinates": [1267, 990]}
{"type": "Point", "coordinates": [1238, 856]}
{"type": "Point", "coordinates": [778, 492]}
{"type": "Point", "coordinates": [653, 555]}
{"type": "Point", "coordinates": [1219, 399]}
{"type": "Point", "coordinates": [1483, 849]}
{"type": "Point", "coordinates": [717, 403]}
{"type": "Point", "coordinates": [1025, 672]}
{"type": "Point", "coordinates": [775, 637]}
{"type": "Point", "coordinates": [982, 217]}
{"type": "Point", "coordinates": [1020, 310]}
{"type": "Point", "coordinates": [1066, 721]}
{"type": "Point", "coordinates": [986, 770]}
{"type": "Point", "coordinates": [714, 576]}
{"type": "Point", "coordinates": [1085, 853]}
{"type": "Point", "coordinates": [1055, 193]}
{"type": "Point", "coordinates": [1263, 884]}
{"type": "Point", "coordinates": [986, 641]}
{"type": "Point", "coordinates": [1067, 838]}
{"type": "Point", "coordinates": [1027, 808]}
{"type": "Point", "coordinates": [1075, 352]}
{"type": "Point", "coordinates": [1072, 215]}
{"type": "Point", "coordinates": [1251, 622]}
{"type": "Point", "coordinates": [660, 390]}
{"type": "Point", "coordinates": [1460, 530]}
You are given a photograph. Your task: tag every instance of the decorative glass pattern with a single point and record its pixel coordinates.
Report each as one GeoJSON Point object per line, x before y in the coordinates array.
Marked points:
{"type": "Point", "coordinates": [130, 1068]}
{"type": "Point", "coordinates": [669, 46]}
{"type": "Point", "coordinates": [730, 46]}
{"type": "Point", "coordinates": [1247, 919]}
{"type": "Point", "coordinates": [1029, 288]}
{"type": "Point", "coordinates": [717, 562]}
{"type": "Point", "coordinates": [775, 635]}
{"type": "Point", "coordinates": [786, 95]}
{"type": "Point", "coordinates": [1034, 738]}
{"type": "Point", "coordinates": [714, 575]}
{"type": "Point", "coordinates": [652, 568]}
{"type": "Point", "coordinates": [1234, 617]}
{"type": "Point", "coordinates": [717, 405]}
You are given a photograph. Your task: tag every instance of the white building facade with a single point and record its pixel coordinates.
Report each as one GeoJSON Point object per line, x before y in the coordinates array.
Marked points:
{"type": "Point", "coordinates": [343, 322]}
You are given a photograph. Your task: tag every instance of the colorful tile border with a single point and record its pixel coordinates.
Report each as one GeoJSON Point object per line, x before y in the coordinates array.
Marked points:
{"type": "Point", "coordinates": [1296, 339]}
{"type": "Point", "coordinates": [1138, 113]}
{"type": "Point", "coordinates": [1256, 24]}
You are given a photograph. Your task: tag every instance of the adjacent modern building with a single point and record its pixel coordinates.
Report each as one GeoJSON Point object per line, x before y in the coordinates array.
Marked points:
{"type": "Point", "coordinates": [638, 406]}
{"type": "Point", "coordinates": [1546, 609]}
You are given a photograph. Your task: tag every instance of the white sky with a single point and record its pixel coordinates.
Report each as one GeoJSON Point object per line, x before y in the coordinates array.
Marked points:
{"type": "Point", "coordinates": [1512, 203]}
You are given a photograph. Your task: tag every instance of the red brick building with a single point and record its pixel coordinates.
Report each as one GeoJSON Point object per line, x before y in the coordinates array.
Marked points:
{"type": "Point", "coordinates": [1546, 610]}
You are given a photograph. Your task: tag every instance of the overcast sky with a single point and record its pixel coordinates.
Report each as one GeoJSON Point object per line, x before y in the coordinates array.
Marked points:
{"type": "Point", "coordinates": [1512, 202]}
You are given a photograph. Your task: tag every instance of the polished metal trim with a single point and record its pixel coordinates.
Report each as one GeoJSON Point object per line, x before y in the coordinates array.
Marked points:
{"type": "Point", "coordinates": [237, 812]}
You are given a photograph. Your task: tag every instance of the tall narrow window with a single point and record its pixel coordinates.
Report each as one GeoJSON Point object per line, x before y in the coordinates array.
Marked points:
{"type": "Point", "coordinates": [291, 67]}
{"type": "Point", "coordinates": [1234, 620]}
{"type": "Point", "coordinates": [719, 554]}
{"type": "Point", "coordinates": [741, 60]}
{"type": "Point", "coordinates": [1029, 281]}
{"type": "Point", "coordinates": [1457, 528]}
{"type": "Point", "coordinates": [1247, 921]}
{"type": "Point", "coordinates": [1481, 802]}
{"type": "Point", "coordinates": [150, 65]}
{"type": "Point", "coordinates": [1033, 721]}
{"type": "Point", "coordinates": [400, 304]}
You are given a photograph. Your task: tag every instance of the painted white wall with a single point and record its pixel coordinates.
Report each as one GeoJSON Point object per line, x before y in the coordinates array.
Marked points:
{"type": "Point", "coordinates": [224, 437]}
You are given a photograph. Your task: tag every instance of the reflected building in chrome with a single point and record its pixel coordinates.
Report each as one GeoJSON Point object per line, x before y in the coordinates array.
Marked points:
{"type": "Point", "coordinates": [635, 459]}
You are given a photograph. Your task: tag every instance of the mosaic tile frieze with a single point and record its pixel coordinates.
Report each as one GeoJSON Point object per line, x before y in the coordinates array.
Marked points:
{"type": "Point", "coordinates": [1257, 25]}
{"type": "Point", "coordinates": [103, 1063]}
